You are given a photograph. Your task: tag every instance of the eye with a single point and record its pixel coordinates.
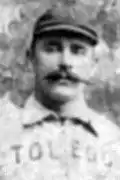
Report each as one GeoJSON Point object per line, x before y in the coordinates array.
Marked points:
{"type": "Point", "coordinates": [78, 49]}
{"type": "Point", "coordinates": [52, 46]}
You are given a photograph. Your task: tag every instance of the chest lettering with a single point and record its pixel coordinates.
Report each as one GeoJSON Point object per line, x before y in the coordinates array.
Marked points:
{"type": "Point", "coordinates": [35, 152]}
{"type": "Point", "coordinates": [76, 146]}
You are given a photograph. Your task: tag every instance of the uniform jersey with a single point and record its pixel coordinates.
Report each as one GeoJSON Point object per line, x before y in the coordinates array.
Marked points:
{"type": "Point", "coordinates": [35, 145]}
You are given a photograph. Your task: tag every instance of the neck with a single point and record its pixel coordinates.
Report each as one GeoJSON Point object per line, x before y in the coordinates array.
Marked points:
{"type": "Point", "coordinates": [59, 106]}
{"type": "Point", "coordinates": [77, 105]}
{"type": "Point", "coordinates": [48, 102]}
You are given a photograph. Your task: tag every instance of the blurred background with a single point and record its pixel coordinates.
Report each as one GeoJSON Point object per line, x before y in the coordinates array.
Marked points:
{"type": "Point", "coordinates": [17, 18]}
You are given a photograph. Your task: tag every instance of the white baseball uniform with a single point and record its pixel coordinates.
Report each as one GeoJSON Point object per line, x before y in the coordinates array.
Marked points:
{"type": "Point", "coordinates": [36, 145]}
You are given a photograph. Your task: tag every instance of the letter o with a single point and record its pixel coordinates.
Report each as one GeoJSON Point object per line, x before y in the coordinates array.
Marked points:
{"type": "Point", "coordinates": [35, 151]}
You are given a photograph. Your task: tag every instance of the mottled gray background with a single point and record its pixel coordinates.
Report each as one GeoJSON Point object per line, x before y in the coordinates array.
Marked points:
{"type": "Point", "coordinates": [17, 18]}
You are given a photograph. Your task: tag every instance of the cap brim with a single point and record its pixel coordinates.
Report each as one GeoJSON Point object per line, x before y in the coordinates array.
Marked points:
{"type": "Point", "coordinates": [73, 29]}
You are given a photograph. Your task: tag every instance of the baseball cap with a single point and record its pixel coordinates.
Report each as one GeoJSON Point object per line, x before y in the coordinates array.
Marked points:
{"type": "Point", "coordinates": [66, 19]}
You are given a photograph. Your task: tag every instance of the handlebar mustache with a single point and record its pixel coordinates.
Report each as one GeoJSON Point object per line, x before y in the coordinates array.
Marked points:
{"type": "Point", "coordinates": [57, 75]}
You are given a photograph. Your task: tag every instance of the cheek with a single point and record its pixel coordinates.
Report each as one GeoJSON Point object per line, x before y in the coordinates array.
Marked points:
{"type": "Point", "coordinates": [47, 61]}
{"type": "Point", "coordinates": [85, 67]}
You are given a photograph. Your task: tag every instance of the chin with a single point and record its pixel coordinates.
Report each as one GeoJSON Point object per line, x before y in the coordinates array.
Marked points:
{"type": "Point", "coordinates": [63, 94]}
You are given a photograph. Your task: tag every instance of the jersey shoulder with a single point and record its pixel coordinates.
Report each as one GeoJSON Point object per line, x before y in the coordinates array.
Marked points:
{"type": "Point", "coordinates": [8, 108]}
{"type": "Point", "coordinates": [10, 116]}
{"type": "Point", "coordinates": [106, 129]}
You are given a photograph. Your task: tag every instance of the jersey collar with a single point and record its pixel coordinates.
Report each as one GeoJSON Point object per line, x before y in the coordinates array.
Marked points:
{"type": "Point", "coordinates": [34, 111]}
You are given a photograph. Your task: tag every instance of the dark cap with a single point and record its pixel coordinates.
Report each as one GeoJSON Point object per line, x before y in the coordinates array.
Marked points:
{"type": "Point", "coordinates": [67, 19]}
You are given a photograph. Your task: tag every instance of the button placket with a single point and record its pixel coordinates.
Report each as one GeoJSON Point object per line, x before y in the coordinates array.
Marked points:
{"type": "Point", "coordinates": [65, 136]}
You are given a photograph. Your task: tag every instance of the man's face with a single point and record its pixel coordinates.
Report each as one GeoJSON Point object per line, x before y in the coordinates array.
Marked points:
{"type": "Point", "coordinates": [61, 65]}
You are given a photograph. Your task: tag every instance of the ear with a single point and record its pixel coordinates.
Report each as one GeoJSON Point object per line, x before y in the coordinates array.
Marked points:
{"type": "Point", "coordinates": [29, 55]}
{"type": "Point", "coordinates": [31, 59]}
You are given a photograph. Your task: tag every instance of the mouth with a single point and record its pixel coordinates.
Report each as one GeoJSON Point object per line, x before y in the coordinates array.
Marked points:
{"type": "Point", "coordinates": [65, 82]}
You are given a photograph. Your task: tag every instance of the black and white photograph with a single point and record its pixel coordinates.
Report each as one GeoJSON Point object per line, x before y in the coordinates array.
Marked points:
{"type": "Point", "coordinates": [59, 89]}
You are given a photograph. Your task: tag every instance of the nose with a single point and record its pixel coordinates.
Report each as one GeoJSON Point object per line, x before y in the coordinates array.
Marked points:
{"type": "Point", "coordinates": [65, 62]}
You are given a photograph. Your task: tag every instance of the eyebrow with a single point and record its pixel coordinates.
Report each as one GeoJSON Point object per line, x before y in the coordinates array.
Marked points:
{"type": "Point", "coordinates": [80, 43]}
{"type": "Point", "coordinates": [54, 38]}
{"type": "Point", "coordinates": [52, 41]}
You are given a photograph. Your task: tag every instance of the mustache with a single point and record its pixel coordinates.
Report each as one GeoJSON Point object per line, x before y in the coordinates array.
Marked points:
{"type": "Point", "coordinates": [57, 75]}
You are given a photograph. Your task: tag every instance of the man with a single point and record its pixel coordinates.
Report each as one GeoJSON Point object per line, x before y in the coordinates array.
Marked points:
{"type": "Point", "coordinates": [56, 135]}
